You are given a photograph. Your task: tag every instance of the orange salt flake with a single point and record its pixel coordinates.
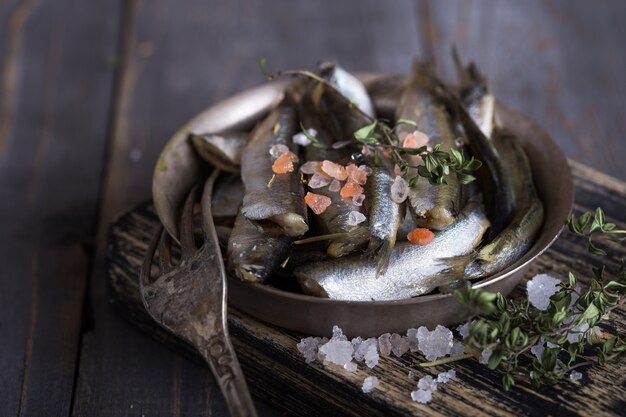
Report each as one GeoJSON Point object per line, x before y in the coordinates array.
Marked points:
{"type": "Point", "coordinates": [351, 189]}
{"type": "Point", "coordinates": [334, 170]}
{"type": "Point", "coordinates": [317, 203]}
{"type": "Point", "coordinates": [284, 163]}
{"type": "Point", "coordinates": [414, 140]}
{"type": "Point", "coordinates": [420, 236]}
{"type": "Point", "coordinates": [358, 176]}
{"type": "Point", "coordinates": [351, 168]}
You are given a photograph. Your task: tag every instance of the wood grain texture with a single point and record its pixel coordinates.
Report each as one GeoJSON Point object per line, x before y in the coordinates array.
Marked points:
{"type": "Point", "coordinates": [177, 59]}
{"type": "Point", "coordinates": [557, 62]}
{"type": "Point", "coordinates": [278, 374]}
{"type": "Point", "coordinates": [54, 97]}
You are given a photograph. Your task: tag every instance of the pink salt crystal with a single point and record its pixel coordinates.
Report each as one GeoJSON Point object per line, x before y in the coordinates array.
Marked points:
{"type": "Point", "coordinates": [358, 199]}
{"type": "Point", "coordinates": [317, 203]}
{"type": "Point", "coordinates": [414, 140]}
{"type": "Point", "coordinates": [310, 167]}
{"type": "Point", "coordinates": [350, 168]}
{"type": "Point", "coordinates": [278, 150]}
{"type": "Point", "coordinates": [355, 218]}
{"type": "Point", "coordinates": [319, 181]}
{"type": "Point", "coordinates": [399, 190]}
{"type": "Point", "coordinates": [358, 176]}
{"type": "Point", "coordinates": [384, 344]}
{"type": "Point", "coordinates": [397, 170]}
{"type": "Point", "coordinates": [334, 186]}
{"type": "Point", "coordinates": [334, 170]}
{"type": "Point", "coordinates": [366, 169]}
{"type": "Point", "coordinates": [399, 344]}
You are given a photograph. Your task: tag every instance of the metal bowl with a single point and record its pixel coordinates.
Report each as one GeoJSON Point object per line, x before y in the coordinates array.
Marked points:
{"type": "Point", "coordinates": [316, 316]}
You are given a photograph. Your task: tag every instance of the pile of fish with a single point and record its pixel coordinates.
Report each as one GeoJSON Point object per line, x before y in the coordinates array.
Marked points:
{"type": "Point", "coordinates": [302, 199]}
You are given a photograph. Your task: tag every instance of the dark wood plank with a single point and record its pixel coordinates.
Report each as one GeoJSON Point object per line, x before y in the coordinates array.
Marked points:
{"type": "Point", "coordinates": [55, 90]}
{"type": "Point", "coordinates": [558, 62]}
{"type": "Point", "coordinates": [180, 58]}
{"type": "Point", "coordinates": [276, 371]}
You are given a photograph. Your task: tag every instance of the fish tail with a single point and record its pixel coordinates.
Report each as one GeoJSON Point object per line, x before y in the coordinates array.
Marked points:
{"type": "Point", "coordinates": [348, 242]}
{"type": "Point", "coordinates": [380, 250]}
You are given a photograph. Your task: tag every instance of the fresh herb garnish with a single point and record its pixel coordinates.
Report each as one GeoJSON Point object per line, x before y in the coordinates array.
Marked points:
{"type": "Point", "coordinates": [437, 163]}
{"type": "Point", "coordinates": [510, 328]}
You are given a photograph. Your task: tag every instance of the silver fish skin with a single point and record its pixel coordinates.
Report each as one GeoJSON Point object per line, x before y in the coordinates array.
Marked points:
{"type": "Point", "coordinates": [348, 85]}
{"type": "Point", "coordinates": [476, 94]}
{"type": "Point", "coordinates": [384, 215]}
{"type": "Point", "coordinates": [432, 206]}
{"type": "Point", "coordinates": [276, 205]}
{"type": "Point", "coordinates": [252, 255]}
{"type": "Point", "coordinates": [227, 197]}
{"type": "Point", "coordinates": [413, 269]}
{"type": "Point", "coordinates": [223, 151]}
{"type": "Point", "coordinates": [519, 235]}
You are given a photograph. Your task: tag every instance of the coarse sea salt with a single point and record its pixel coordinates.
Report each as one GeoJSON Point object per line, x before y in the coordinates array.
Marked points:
{"type": "Point", "coordinates": [310, 167]}
{"type": "Point", "coordinates": [301, 139]}
{"type": "Point", "coordinates": [427, 383]}
{"type": "Point", "coordinates": [445, 377]}
{"type": "Point", "coordinates": [384, 344]}
{"type": "Point", "coordinates": [399, 190]}
{"type": "Point", "coordinates": [422, 396]}
{"type": "Point", "coordinates": [319, 181]}
{"type": "Point", "coordinates": [457, 348]}
{"type": "Point", "coordinates": [278, 149]}
{"type": "Point", "coordinates": [355, 218]}
{"type": "Point", "coordinates": [399, 344]}
{"type": "Point", "coordinates": [540, 288]}
{"type": "Point", "coordinates": [358, 199]}
{"type": "Point", "coordinates": [436, 343]}
{"type": "Point", "coordinates": [335, 186]}
{"type": "Point", "coordinates": [411, 336]}
{"type": "Point", "coordinates": [338, 350]}
{"type": "Point", "coordinates": [308, 347]}
{"type": "Point", "coordinates": [537, 350]}
{"type": "Point", "coordinates": [575, 376]}
{"type": "Point", "coordinates": [369, 384]}
{"type": "Point", "coordinates": [485, 355]}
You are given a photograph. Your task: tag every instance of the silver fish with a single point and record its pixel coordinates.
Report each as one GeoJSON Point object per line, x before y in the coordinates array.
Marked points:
{"type": "Point", "coordinates": [220, 150]}
{"type": "Point", "coordinates": [476, 94]}
{"type": "Point", "coordinates": [227, 197]}
{"type": "Point", "coordinates": [413, 269]}
{"type": "Point", "coordinates": [253, 255]}
{"type": "Point", "coordinates": [384, 215]}
{"type": "Point", "coordinates": [348, 85]}
{"type": "Point", "coordinates": [519, 235]}
{"type": "Point", "coordinates": [274, 202]}
{"type": "Point", "coordinates": [434, 206]}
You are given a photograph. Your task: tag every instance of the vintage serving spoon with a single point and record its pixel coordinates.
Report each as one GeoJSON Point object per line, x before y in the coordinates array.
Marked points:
{"type": "Point", "coordinates": [189, 298]}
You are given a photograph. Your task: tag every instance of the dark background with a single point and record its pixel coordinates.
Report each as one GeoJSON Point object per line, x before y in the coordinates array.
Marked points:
{"type": "Point", "coordinates": [91, 90]}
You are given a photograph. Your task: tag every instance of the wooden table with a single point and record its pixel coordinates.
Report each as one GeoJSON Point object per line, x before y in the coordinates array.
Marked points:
{"type": "Point", "coordinates": [91, 90]}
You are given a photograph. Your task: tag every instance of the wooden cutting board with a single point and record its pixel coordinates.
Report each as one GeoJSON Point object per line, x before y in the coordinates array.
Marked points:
{"type": "Point", "coordinates": [277, 373]}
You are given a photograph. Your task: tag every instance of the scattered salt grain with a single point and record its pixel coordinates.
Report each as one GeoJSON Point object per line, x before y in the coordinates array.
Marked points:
{"type": "Point", "coordinates": [421, 396]}
{"type": "Point", "coordinates": [369, 384]}
{"type": "Point", "coordinates": [302, 140]}
{"type": "Point", "coordinates": [434, 344]}
{"type": "Point", "coordinates": [575, 376]}
{"type": "Point", "coordinates": [463, 330]}
{"type": "Point", "coordinates": [350, 367]}
{"type": "Point", "coordinates": [358, 199]}
{"type": "Point", "coordinates": [354, 218]}
{"type": "Point", "coordinates": [411, 336]}
{"type": "Point", "coordinates": [399, 190]}
{"type": "Point", "coordinates": [371, 356]}
{"type": "Point", "coordinates": [310, 167]}
{"type": "Point", "coordinates": [278, 149]}
{"type": "Point", "coordinates": [319, 181]}
{"type": "Point", "coordinates": [445, 377]}
{"type": "Point", "coordinates": [485, 355]}
{"type": "Point", "coordinates": [308, 348]}
{"type": "Point", "coordinates": [361, 347]}
{"type": "Point", "coordinates": [540, 289]}
{"type": "Point", "coordinates": [537, 350]}
{"type": "Point", "coordinates": [338, 349]}
{"type": "Point", "coordinates": [399, 344]}
{"type": "Point", "coordinates": [427, 383]}
{"type": "Point", "coordinates": [334, 186]}
{"type": "Point", "coordinates": [411, 375]}
{"type": "Point", "coordinates": [384, 344]}
{"type": "Point", "coordinates": [457, 349]}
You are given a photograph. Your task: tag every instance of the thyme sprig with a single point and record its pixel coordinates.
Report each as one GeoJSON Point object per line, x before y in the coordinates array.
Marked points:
{"type": "Point", "coordinates": [437, 163]}
{"type": "Point", "coordinates": [379, 136]}
{"type": "Point", "coordinates": [511, 327]}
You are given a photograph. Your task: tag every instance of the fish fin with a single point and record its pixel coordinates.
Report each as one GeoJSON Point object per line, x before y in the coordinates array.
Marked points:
{"type": "Point", "coordinates": [349, 242]}
{"type": "Point", "coordinates": [380, 251]}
